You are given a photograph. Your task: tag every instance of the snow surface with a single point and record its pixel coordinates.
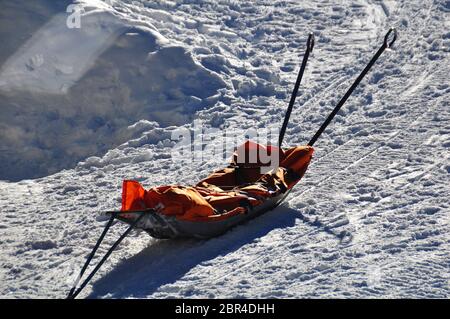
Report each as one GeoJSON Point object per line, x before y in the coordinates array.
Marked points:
{"type": "Point", "coordinates": [370, 218]}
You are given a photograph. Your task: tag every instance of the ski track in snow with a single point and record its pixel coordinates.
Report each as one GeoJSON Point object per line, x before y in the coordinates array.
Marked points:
{"type": "Point", "coordinates": [369, 219]}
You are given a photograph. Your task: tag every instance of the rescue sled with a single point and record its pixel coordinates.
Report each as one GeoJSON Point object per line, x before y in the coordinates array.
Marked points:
{"type": "Point", "coordinates": [164, 227]}
{"type": "Point", "coordinates": [225, 198]}
{"type": "Point", "coordinates": [215, 204]}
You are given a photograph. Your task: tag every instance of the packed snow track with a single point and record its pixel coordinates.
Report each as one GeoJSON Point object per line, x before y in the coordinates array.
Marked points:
{"type": "Point", "coordinates": [370, 219]}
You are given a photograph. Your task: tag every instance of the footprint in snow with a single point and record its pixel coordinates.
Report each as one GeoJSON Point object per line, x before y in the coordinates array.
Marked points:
{"type": "Point", "coordinates": [35, 62]}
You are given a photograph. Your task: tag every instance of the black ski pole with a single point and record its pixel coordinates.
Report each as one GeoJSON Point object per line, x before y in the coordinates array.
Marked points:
{"type": "Point", "coordinates": [385, 45]}
{"type": "Point", "coordinates": [105, 257]}
{"type": "Point", "coordinates": [309, 48]}
{"type": "Point", "coordinates": [94, 250]}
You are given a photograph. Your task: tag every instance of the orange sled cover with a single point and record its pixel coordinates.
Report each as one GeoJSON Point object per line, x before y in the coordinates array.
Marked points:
{"type": "Point", "coordinates": [226, 192]}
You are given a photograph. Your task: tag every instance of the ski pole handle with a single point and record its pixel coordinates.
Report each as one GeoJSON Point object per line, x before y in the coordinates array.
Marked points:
{"type": "Point", "coordinates": [310, 42]}
{"type": "Point", "coordinates": [386, 37]}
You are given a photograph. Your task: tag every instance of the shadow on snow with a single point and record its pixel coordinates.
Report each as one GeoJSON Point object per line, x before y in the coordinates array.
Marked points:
{"type": "Point", "coordinates": [167, 261]}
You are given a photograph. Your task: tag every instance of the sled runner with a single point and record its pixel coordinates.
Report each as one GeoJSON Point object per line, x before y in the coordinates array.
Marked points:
{"type": "Point", "coordinates": [227, 197]}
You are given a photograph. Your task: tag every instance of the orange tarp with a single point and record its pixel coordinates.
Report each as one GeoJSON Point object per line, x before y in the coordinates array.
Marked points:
{"type": "Point", "coordinates": [225, 192]}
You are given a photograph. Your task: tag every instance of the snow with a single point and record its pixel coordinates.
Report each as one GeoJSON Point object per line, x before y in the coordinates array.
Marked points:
{"type": "Point", "coordinates": [70, 93]}
{"type": "Point", "coordinates": [370, 219]}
